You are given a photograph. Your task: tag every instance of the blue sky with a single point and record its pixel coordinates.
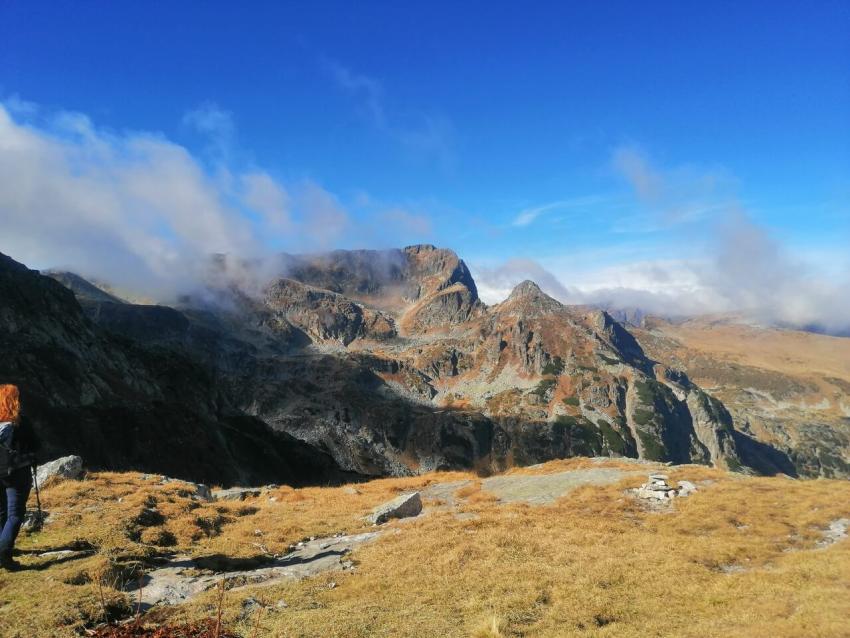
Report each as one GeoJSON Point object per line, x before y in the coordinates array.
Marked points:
{"type": "Point", "coordinates": [580, 137]}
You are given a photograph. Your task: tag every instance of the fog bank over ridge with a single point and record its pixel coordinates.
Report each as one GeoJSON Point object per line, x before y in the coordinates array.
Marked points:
{"type": "Point", "coordinates": [144, 214]}
{"type": "Point", "coordinates": [749, 275]}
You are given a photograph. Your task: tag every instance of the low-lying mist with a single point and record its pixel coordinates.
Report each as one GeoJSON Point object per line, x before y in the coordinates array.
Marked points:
{"type": "Point", "coordinates": [745, 273]}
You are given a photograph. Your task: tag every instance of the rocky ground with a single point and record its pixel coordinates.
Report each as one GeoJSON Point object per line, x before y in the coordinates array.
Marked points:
{"type": "Point", "coordinates": [567, 548]}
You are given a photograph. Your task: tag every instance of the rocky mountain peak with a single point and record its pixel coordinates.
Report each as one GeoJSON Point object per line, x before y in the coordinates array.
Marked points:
{"type": "Point", "coordinates": [528, 299]}
{"type": "Point", "coordinates": [436, 269]}
{"type": "Point", "coordinates": [526, 289]}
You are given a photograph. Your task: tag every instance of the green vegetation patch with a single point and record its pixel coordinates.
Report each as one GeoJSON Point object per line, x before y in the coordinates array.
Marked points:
{"type": "Point", "coordinates": [584, 437]}
{"type": "Point", "coordinates": [643, 417]}
{"type": "Point", "coordinates": [573, 401]}
{"type": "Point", "coordinates": [544, 386]}
{"type": "Point", "coordinates": [612, 438]}
{"type": "Point", "coordinates": [653, 448]}
{"type": "Point", "coordinates": [733, 464]}
{"type": "Point", "coordinates": [648, 390]}
{"type": "Point", "coordinates": [555, 366]}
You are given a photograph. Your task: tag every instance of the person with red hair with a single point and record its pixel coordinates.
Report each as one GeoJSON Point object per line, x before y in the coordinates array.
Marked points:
{"type": "Point", "coordinates": [17, 457]}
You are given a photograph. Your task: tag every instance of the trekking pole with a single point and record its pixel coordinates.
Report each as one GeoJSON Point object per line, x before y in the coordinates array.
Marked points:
{"type": "Point", "coordinates": [40, 519]}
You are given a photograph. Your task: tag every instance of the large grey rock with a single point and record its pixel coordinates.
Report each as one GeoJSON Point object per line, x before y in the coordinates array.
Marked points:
{"type": "Point", "coordinates": [67, 467]}
{"type": "Point", "coordinates": [235, 493]}
{"type": "Point", "coordinates": [403, 506]}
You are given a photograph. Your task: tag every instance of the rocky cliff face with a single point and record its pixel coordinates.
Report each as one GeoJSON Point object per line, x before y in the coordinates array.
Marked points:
{"type": "Point", "coordinates": [390, 364]}
{"type": "Point", "coordinates": [122, 404]}
{"type": "Point", "coordinates": [786, 392]}
{"type": "Point", "coordinates": [324, 315]}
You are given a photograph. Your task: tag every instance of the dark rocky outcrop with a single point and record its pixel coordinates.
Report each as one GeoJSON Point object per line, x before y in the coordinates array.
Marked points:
{"type": "Point", "coordinates": [123, 405]}
{"type": "Point", "coordinates": [326, 315]}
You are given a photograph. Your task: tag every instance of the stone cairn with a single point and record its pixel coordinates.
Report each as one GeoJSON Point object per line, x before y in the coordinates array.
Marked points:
{"type": "Point", "coordinates": [657, 488]}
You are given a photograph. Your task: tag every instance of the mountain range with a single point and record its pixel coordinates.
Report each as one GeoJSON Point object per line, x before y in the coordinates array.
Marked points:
{"type": "Point", "coordinates": [349, 364]}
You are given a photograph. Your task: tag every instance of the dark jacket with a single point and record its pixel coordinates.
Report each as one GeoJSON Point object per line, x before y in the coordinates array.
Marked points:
{"type": "Point", "coordinates": [25, 445]}
{"type": "Point", "coordinates": [24, 440]}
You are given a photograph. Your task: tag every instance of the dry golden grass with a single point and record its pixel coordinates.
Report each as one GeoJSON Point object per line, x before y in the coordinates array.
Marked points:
{"type": "Point", "coordinates": [785, 351]}
{"type": "Point", "coordinates": [738, 558]}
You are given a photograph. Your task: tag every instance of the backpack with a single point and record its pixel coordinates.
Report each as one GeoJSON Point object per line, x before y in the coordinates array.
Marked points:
{"type": "Point", "coordinates": [10, 458]}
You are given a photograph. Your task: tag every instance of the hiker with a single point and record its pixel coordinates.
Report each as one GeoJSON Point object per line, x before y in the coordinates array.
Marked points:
{"type": "Point", "coordinates": [18, 446]}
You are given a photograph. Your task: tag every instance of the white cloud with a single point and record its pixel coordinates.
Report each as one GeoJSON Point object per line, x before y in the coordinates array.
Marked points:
{"type": "Point", "coordinates": [735, 265]}
{"type": "Point", "coordinates": [407, 222]}
{"type": "Point", "coordinates": [495, 284]}
{"type": "Point", "coordinates": [143, 213]}
{"type": "Point", "coordinates": [744, 272]}
{"type": "Point", "coordinates": [265, 196]}
{"type": "Point", "coordinates": [327, 220]}
{"type": "Point", "coordinates": [133, 206]}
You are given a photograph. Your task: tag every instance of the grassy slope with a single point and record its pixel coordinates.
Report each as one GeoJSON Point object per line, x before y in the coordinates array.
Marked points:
{"type": "Point", "coordinates": [593, 563]}
{"type": "Point", "coordinates": [816, 362]}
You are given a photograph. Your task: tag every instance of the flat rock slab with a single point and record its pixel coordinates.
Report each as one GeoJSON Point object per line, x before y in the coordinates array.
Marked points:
{"type": "Point", "coordinates": [444, 492]}
{"type": "Point", "coordinates": [544, 489]}
{"type": "Point", "coordinates": [183, 578]}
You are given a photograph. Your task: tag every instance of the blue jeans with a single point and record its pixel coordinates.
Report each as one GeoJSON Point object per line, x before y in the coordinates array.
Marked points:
{"type": "Point", "coordinates": [14, 491]}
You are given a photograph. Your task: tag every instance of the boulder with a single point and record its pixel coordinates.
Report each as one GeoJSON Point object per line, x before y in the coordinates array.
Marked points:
{"type": "Point", "coordinates": [235, 493]}
{"type": "Point", "coordinates": [67, 467]}
{"type": "Point", "coordinates": [403, 506]}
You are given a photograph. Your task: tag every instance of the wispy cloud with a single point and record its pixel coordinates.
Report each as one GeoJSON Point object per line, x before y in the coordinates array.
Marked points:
{"type": "Point", "coordinates": [529, 215]}
{"type": "Point", "coordinates": [214, 122]}
{"type": "Point", "coordinates": [419, 131]}
{"type": "Point", "coordinates": [671, 196]}
{"type": "Point", "coordinates": [368, 90]}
